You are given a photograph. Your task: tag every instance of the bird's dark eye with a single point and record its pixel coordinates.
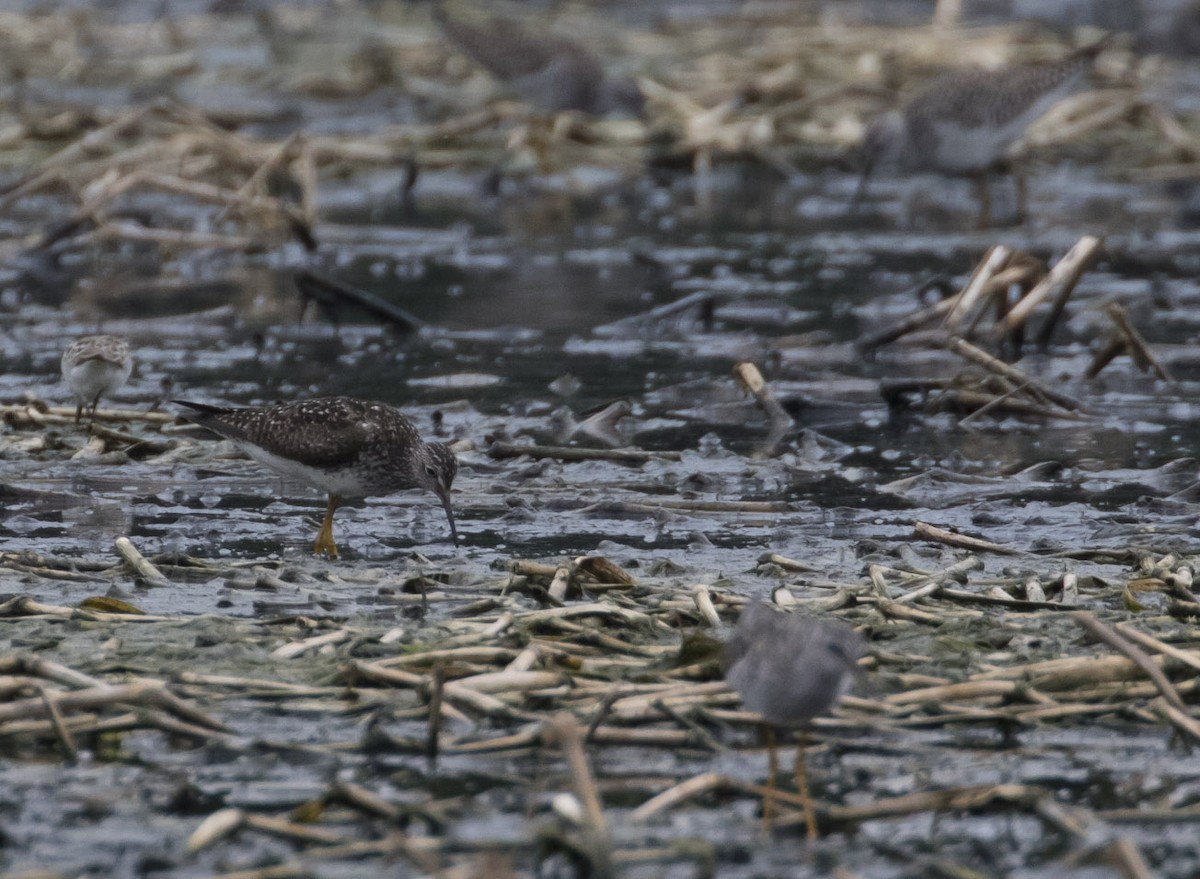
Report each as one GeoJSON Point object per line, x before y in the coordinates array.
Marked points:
{"type": "Point", "coordinates": [430, 470]}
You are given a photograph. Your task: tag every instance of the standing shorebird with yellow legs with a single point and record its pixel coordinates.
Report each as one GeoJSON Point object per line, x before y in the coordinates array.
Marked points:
{"type": "Point", "coordinates": [93, 366]}
{"type": "Point", "coordinates": [790, 669]}
{"type": "Point", "coordinates": [348, 448]}
{"type": "Point", "coordinates": [965, 122]}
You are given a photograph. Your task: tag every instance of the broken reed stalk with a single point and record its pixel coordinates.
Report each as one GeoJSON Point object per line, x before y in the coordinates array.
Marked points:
{"type": "Point", "coordinates": [564, 731]}
{"type": "Point", "coordinates": [145, 692]}
{"type": "Point", "coordinates": [752, 381]}
{"type": "Point", "coordinates": [502, 450]}
{"type": "Point", "coordinates": [1022, 271]}
{"type": "Point", "coordinates": [1057, 285]}
{"type": "Point", "coordinates": [22, 414]}
{"type": "Point", "coordinates": [1105, 635]}
{"type": "Point", "coordinates": [963, 399]}
{"type": "Point", "coordinates": [433, 735]}
{"type": "Point", "coordinates": [703, 599]}
{"type": "Point", "coordinates": [914, 321]}
{"type": "Point", "coordinates": [1011, 373]}
{"type": "Point", "coordinates": [1126, 630]}
{"type": "Point", "coordinates": [1128, 341]}
{"type": "Point", "coordinates": [61, 730]}
{"type": "Point", "coordinates": [26, 663]}
{"type": "Point", "coordinates": [560, 582]}
{"type": "Point", "coordinates": [142, 567]}
{"type": "Point", "coordinates": [966, 300]}
{"type": "Point", "coordinates": [925, 531]}
{"type": "Point", "coordinates": [999, 269]}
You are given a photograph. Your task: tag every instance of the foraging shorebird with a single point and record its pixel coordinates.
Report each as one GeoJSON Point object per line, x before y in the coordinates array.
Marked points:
{"type": "Point", "coordinates": [348, 448]}
{"type": "Point", "coordinates": [790, 669]}
{"type": "Point", "coordinates": [94, 366]}
{"type": "Point", "coordinates": [965, 122]}
{"type": "Point", "coordinates": [551, 73]}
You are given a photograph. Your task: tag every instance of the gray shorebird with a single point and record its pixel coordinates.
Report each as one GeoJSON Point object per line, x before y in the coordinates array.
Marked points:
{"type": "Point", "coordinates": [965, 122]}
{"type": "Point", "coordinates": [94, 366]}
{"type": "Point", "coordinates": [348, 448]}
{"type": "Point", "coordinates": [790, 669]}
{"type": "Point", "coordinates": [551, 73]}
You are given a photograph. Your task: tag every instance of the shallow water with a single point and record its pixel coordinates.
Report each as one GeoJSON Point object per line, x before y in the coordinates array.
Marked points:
{"type": "Point", "coordinates": [535, 300]}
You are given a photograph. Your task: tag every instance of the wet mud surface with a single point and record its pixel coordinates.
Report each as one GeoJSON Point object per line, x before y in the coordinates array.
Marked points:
{"type": "Point", "coordinates": [541, 303]}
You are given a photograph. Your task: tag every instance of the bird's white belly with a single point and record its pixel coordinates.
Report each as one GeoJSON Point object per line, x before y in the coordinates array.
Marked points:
{"type": "Point", "coordinates": [341, 482]}
{"type": "Point", "coordinates": [960, 150]}
{"type": "Point", "coordinates": [92, 377]}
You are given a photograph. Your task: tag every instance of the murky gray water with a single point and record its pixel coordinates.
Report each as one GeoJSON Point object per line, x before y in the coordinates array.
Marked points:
{"type": "Point", "coordinates": [535, 300]}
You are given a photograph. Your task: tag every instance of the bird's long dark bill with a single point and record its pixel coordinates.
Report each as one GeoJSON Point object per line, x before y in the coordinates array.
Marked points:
{"type": "Point", "coordinates": [445, 498]}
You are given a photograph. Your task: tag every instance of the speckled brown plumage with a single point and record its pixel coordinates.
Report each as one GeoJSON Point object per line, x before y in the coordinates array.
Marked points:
{"type": "Point", "coordinates": [990, 99]}
{"type": "Point", "coordinates": [965, 122]}
{"type": "Point", "coordinates": [347, 447]}
{"type": "Point", "coordinates": [550, 72]}
{"type": "Point", "coordinates": [94, 366]}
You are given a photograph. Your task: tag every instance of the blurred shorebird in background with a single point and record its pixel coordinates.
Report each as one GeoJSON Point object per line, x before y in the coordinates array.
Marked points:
{"type": "Point", "coordinates": [553, 74]}
{"type": "Point", "coordinates": [790, 669]}
{"type": "Point", "coordinates": [93, 366]}
{"type": "Point", "coordinates": [348, 448]}
{"type": "Point", "coordinates": [965, 122]}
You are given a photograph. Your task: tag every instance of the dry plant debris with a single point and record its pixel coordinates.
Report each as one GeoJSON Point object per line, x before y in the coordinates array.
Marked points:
{"type": "Point", "coordinates": [794, 94]}
{"type": "Point", "coordinates": [519, 667]}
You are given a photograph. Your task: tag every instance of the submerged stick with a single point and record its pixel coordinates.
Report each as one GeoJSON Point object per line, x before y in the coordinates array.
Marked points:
{"type": "Point", "coordinates": [702, 298]}
{"type": "Point", "coordinates": [752, 381]}
{"type": "Point", "coordinates": [570, 453]}
{"type": "Point", "coordinates": [333, 293]}
{"type": "Point", "coordinates": [965, 349]}
{"type": "Point", "coordinates": [914, 321]}
{"type": "Point", "coordinates": [926, 531]}
{"type": "Point", "coordinates": [433, 735]}
{"type": "Point", "coordinates": [1135, 344]}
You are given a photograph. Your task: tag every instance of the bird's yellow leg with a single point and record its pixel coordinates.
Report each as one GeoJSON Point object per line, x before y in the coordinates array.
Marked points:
{"type": "Point", "coordinates": [94, 407]}
{"type": "Point", "coordinates": [810, 819]}
{"type": "Point", "coordinates": [768, 807]}
{"type": "Point", "coordinates": [984, 220]}
{"type": "Point", "coordinates": [325, 542]}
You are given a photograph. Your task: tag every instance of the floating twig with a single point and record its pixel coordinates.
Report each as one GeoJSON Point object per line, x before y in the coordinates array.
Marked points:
{"type": "Point", "coordinates": [570, 453]}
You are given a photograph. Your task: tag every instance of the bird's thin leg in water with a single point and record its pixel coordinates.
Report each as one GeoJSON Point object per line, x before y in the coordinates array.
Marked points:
{"type": "Point", "coordinates": [1022, 196]}
{"type": "Point", "coordinates": [768, 807]}
{"type": "Point", "coordinates": [985, 202]}
{"type": "Point", "coordinates": [810, 819]}
{"type": "Point", "coordinates": [325, 542]}
{"type": "Point", "coordinates": [860, 191]}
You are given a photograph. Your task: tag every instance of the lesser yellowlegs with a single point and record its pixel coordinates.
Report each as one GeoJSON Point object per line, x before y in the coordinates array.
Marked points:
{"type": "Point", "coordinates": [94, 366]}
{"type": "Point", "coordinates": [965, 122]}
{"type": "Point", "coordinates": [790, 669]}
{"type": "Point", "coordinates": [551, 73]}
{"type": "Point", "coordinates": [348, 448]}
